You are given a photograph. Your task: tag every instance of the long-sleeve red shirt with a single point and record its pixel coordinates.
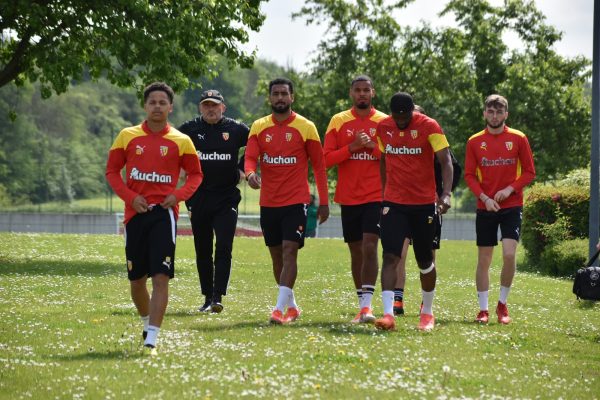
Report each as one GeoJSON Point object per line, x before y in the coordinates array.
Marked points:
{"type": "Point", "coordinates": [409, 171]}
{"type": "Point", "coordinates": [283, 150]}
{"type": "Point", "coordinates": [495, 161]}
{"type": "Point", "coordinates": [152, 161]}
{"type": "Point", "coordinates": [359, 180]}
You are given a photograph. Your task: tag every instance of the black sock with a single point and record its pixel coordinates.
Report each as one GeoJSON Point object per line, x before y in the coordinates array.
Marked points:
{"type": "Point", "coordinates": [399, 294]}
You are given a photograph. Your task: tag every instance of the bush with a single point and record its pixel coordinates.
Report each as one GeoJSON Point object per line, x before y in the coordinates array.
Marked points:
{"type": "Point", "coordinates": [565, 207]}
{"type": "Point", "coordinates": [562, 258]}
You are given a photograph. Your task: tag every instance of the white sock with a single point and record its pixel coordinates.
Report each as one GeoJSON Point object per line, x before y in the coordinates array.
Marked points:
{"type": "Point", "coordinates": [292, 300]}
{"type": "Point", "coordinates": [504, 294]}
{"type": "Point", "coordinates": [152, 334]}
{"type": "Point", "coordinates": [146, 322]}
{"type": "Point", "coordinates": [359, 293]}
{"type": "Point", "coordinates": [283, 298]}
{"type": "Point", "coordinates": [483, 300]}
{"type": "Point", "coordinates": [387, 296]}
{"type": "Point", "coordinates": [427, 302]}
{"type": "Point", "coordinates": [367, 296]}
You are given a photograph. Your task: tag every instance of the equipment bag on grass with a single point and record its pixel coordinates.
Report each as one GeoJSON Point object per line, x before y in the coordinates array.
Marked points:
{"type": "Point", "coordinates": [587, 281]}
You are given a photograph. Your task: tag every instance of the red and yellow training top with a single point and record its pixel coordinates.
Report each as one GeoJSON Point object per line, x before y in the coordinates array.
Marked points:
{"type": "Point", "coordinates": [359, 180]}
{"type": "Point", "coordinates": [495, 161]}
{"type": "Point", "coordinates": [152, 162]}
{"type": "Point", "coordinates": [410, 176]}
{"type": "Point", "coordinates": [283, 149]}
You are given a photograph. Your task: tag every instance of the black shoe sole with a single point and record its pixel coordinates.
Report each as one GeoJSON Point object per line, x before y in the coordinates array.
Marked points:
{"type": "Point", "coordinates": [398, 311]}
{"type": "Point", "coordinates": [216, 308]}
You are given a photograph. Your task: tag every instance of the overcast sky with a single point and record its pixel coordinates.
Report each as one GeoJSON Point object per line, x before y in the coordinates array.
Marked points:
{"type": "Point", "coordinates": [290, 43]}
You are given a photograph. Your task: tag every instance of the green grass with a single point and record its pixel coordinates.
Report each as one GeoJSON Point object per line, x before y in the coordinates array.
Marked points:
{"type": "Point", "coordinates": [69, 330]}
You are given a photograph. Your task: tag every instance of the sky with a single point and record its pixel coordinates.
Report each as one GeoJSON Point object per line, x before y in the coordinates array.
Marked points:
{"type": "Point", "coordinates": [291, 43]}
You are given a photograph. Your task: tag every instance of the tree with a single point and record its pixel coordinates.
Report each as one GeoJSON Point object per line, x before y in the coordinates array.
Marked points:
{"type": "Point", "coordinates": [131, 43]}
{"type": "Point", "coordinates": [451, 70]}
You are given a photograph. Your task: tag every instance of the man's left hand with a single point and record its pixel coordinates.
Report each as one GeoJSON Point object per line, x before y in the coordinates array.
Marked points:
{"type": "Point", "coordinates": [444, 204]}
{"type": "Point", "coordinates": [169, 201]}
{"type": "Point", "coordinates": [323, 214]}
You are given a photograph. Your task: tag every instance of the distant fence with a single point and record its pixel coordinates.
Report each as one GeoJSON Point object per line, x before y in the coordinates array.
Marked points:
{"type": "Point", "coordinates": [455, 227]}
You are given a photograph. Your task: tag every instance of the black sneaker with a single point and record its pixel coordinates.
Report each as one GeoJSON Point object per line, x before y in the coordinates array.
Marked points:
{"type": "Point", "coordinates": [144, 334]}
{"type": "Point", "coordinates": [206, 306]}
{"type": "Point", "coordinates": [216, 306]}
{"type": "Point", "coordinates": [398, 307]}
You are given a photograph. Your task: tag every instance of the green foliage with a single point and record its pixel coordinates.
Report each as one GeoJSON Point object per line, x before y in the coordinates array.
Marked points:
{"type": "Point", "coordinates": [449, 71]}
{"type": "Point", "coordinates": [563, 257]}
{"type": "Point", "coordinates": [553, 214]}
{"type": "Point", "coordinates": [130, 43]}
{"type": "Point", "coordinates": [68, 321]}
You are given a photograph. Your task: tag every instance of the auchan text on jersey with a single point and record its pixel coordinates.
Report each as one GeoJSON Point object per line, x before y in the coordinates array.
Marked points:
{"type": "Point", "coordinates": [214, 156]}
{"type": "Point", "coordinates": [402, 150]}
{"type": "Point", "coordinates": [138, 175]}
{"type": "Point", "coordinates": [278, 160]}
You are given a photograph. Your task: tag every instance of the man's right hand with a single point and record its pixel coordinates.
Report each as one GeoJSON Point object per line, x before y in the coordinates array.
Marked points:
{"type": "Point", "coordinates": [360, 140]}
{"type": "Point", "coordinates": [139, 204]}
{"type": "Point", "coordinates": [254, 181]}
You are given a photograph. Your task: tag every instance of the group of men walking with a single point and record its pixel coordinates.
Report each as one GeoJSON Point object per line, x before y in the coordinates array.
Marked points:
{"type": "Point", "coordinates": [386, 187]}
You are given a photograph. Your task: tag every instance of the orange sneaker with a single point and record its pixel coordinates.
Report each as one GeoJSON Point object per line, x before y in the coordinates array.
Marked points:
{"type": "Point", "coordinates": [366, 316]}
{"type": "Point", "coordinates": [502, 312]}
{"type": "Point", "coordinates": [356, 319]}
{"type": "Point", "coordinates": [276, 317]}
{"type": "Point", "coordinates": [398, 307]}
{"type": "Point", "coordinates": [426, 322]}
{"type": "Point", "coordinates": [387, 323]}
{"type": "Point", "coordinates": [291, 314]}
{"type": "Point", "coordinates": [483, 317]}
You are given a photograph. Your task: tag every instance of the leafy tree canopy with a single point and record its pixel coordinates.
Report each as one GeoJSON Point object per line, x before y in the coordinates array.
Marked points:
{"type": "Point", "coordinates": [451, 70]}
{"type": "Point", "coordinates": [131, 42]}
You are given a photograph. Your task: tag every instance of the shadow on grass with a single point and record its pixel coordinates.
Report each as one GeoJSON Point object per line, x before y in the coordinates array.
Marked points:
{"type": "Point", "coordinates": [61, 268]}
{"type": "Point", "coordinates": [586, 304]}
{"type": "Point", "coordinates": [101, 355]}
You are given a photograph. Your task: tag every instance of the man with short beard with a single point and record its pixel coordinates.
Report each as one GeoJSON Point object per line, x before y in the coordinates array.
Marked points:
{"type": "Point", "coordinates": [498, 165]}
{"type": "Point", "coordinates": [350, 145]}
{"type": "Point", "coordinates": [282, 144]}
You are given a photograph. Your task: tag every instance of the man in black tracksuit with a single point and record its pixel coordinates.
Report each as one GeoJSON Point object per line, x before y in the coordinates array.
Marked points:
{"type": "Point", "coordinates": [214, 207]}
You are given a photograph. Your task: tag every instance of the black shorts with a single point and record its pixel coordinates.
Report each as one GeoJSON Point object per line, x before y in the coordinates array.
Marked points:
{"type": "Point", "coordinates": [486, 225]}
{"type": "Point", "coordinates": [150, 243]}
{"type": "Point", "coordinates": [283, 223]}
{"type": "Point", "coordinates": [437, 232]}
{"type": "Point", "coordinates": [399, 222]}
{"type": "Point", "coordinates": [359, 219]}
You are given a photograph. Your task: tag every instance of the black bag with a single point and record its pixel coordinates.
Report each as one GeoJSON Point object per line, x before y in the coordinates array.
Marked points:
{"type": "Point", "coordinates": [587, 281]}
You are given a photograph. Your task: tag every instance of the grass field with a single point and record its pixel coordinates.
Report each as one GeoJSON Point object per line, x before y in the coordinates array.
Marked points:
{"type": "Point", "coordinates": [69, 330]}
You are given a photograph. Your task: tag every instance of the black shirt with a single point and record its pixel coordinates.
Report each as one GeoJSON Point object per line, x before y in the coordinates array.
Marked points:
{"type": "Point", "coordinates": [218, 147]}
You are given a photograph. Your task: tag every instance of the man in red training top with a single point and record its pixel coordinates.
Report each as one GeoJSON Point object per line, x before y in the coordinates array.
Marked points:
{"type": "Point", "coordinates": [152, 153]}
{"type": "Point", "coordinates": [408, 142]}
{"type": "Point", "coordinates": [350, 143]}
{"type": "Point", "coordinates": [498, 165]}
{"type": "Point", "coordinates": [282, 143]}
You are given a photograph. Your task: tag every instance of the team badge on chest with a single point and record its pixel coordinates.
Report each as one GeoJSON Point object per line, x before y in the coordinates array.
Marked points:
{"type": "Point", "coordinates": [225, 136]}
{"type": "Point", "coordinates": [288, 136]}
{"type": "Point", "coordinates": [414, 133]}
{"type": "Point", "coordinates": [268, 138]}
{"type": "Point", "coordinates": [509, 145]}
{"type": "Point", "coordinates": [164, 150]}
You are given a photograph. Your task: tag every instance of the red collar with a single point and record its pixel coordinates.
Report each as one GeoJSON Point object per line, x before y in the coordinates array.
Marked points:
{"type": "Point", "coordinates": [285, 121]}
{"type": "Point", "coordinates": [162, 132]}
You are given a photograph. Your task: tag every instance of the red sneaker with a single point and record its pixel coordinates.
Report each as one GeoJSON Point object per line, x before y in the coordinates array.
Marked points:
{"type": "Point", "coordinates": [291, 314]}
{"type": "Point", "coordinates": [276, 317]}
{"type": "Point", "coordinates": [483, 317]}
{"type": "Point", "coordinates": [502, 312]}
{"type": "Point", "coordinates": [387, 323]}
{"type": "Point", "coordinates": [426, 322]}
